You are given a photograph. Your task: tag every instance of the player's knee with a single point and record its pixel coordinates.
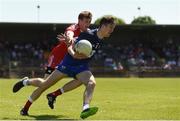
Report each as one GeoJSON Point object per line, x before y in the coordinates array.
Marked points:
{"type": "Point", "coordinates": [92, 84]}
{"type": "Point", "coordinates": [40, 82]}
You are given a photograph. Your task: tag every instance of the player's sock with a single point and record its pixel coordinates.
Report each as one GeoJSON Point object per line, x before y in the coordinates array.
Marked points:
{"type": "Point", "coordinates": [24, 110]}
{"type": "Point", "coordinates": [25, 81]}
{"type": "Point", "coordinates": [85, 106]}
{"type": "Point", "coordinates": [28, 104]}
{"type": "Point", "coordinates": [57, 92]}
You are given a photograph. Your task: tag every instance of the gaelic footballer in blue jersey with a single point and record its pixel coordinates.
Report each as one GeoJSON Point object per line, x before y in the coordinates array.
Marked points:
{"type": "Point", "coordinates": [73, 66]}
{"type": "Point", "coordinates": [76, 65]}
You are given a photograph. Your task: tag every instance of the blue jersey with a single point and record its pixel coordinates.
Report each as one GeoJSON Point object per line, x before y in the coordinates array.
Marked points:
{"type": "Point", "coordinates": [92, 37]}
{"type": "Point", "coordinates": [72, 66]}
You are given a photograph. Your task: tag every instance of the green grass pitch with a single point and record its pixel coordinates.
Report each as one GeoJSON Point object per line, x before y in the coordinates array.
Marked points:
{"type": "Point", "coordinates": [117, 99]}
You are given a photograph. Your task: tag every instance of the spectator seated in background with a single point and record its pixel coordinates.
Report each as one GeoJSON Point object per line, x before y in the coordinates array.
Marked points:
{"type": "Point", "coordinates": [109, 63]}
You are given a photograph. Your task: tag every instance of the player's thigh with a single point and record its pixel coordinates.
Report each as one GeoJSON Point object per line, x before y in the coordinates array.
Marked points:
{"type": "Point", "coordinates": [85, 77]}
{"type": "Point", "coordinates": [46, 75]}
{"type": "Point", "coordinates": [55, 76]}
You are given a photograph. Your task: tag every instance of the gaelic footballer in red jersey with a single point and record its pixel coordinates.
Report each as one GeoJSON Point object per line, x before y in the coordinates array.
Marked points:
{"type": "Point", "coordinates": [73, 31]}
{"type": "Point", "coordinates": [59, 51]}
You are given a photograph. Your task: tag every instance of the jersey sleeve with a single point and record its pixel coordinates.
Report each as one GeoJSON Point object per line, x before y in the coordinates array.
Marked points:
{"type": "Point", "coordinates": [70, 28]}
{"type": "Point", "coordinates": [83, 35]}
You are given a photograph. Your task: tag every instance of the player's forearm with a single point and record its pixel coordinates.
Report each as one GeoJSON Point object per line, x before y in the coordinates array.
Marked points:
{"type": "Point", "coordinates": [71, 51]}
{"type": "Point", "coordinates": [75, 54]}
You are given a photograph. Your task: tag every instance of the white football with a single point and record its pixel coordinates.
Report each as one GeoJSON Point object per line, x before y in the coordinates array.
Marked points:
{"type": "Point", "coordinates": [84, 47]}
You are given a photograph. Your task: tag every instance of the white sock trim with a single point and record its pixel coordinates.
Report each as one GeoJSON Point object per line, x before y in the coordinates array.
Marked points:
{"type": "Point", "coordinates": [85, 106]}
{"type": "Point", "coordinates": [30, 99]}
{"type": "Point", "coordinates": [25, 81]}
{"type": "Point", "coordinates": [62, 90]}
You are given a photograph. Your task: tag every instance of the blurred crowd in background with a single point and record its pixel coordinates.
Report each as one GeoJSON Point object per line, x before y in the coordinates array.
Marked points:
{"type": "Point", "coordinates": [116, 57]}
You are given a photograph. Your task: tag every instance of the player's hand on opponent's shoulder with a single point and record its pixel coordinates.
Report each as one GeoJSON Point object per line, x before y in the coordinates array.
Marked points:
{"type": "Point", "coordinates": [65, 38]}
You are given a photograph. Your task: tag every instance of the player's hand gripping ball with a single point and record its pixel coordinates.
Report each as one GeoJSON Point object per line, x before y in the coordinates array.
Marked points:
{"type": "Point", "coordinates": [83, 47]}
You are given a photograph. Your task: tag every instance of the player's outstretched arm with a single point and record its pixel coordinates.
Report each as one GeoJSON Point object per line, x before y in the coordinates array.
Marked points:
{"type": "Point", "coordinates": [67, 39]}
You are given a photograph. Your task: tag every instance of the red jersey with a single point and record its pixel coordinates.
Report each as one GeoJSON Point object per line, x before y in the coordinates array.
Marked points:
{"type": "Point", "coordinates": [59, 51]}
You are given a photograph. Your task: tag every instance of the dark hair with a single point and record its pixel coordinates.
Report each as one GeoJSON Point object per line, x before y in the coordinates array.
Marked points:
{"type": "Point", "coordinates": [107, 20]}
{"type": "Point", "coordinates": [85, 14]}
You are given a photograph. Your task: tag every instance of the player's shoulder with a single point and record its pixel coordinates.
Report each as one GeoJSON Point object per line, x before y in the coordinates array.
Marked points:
{"type": "Point", "coordinates": [73, 27]}
{"type": "Point", "coordinates": [91, 31]}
